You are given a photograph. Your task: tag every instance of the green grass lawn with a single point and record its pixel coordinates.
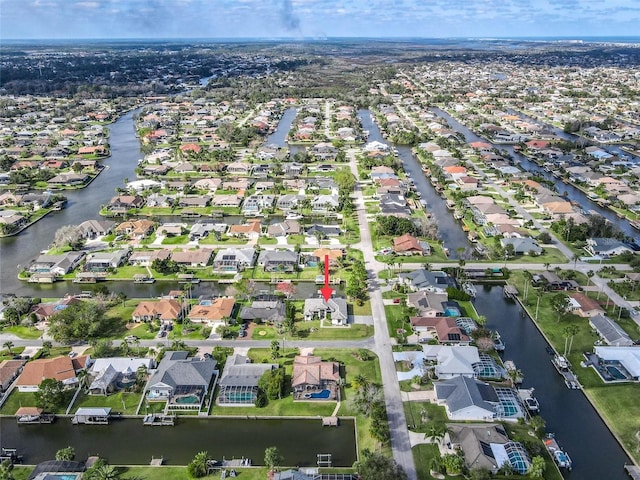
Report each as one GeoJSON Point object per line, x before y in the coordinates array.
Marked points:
{"type": "Point", "coordinates": [176, 240]}
{"type": "Point", "coordinates": [312, 331]}
{"type": "Point", "coordinates": [27, 333]}
{"type": "Point", "coordinates": [27, 399]}
{"type": "Point", "coordinates": [364, 309]}
{"type": "Point", "coordinates": [123, 402]}
{"type": "Point", "coordinates": [180, 473]}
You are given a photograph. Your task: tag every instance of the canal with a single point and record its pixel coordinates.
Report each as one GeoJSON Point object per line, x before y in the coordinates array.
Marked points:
{"type": "Point", "coordinates": [570, 192]}
{"type": "Point", "coordinates": [129, 442]}
{"type": "Point", "coordinates": [449, 230]}
{"type": "Point", "coordinates": [595, 452]}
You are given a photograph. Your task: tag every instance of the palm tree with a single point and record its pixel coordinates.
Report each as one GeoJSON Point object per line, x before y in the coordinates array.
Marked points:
{"type": "Point", "coordinates": [528, 279]}
{"type": "Point", "coordinates": [46, 348]}
{"type": "Point", "coordinates": [560, 304]}
{"type": "Point", "coordinates": [136, 342]}
{"type": "Point", "coordinates": [515, 375]}
{"type": "Point", "coordinates": [590, 274]}
{"type": "Point", "coordinates": [437, 432]}
{"type": "Point", "coordinates": [104, 472]}
{"type": "Point", "coordinates": [83, 378]}
{"type": "Point", "coordinates": [569, 332]}
{"type": "Point", "coordinates": [360, 381]}
{"type": "Point", "coordinates": [539, 295]}
{"type": "Point", "coordinates": [9, 345]}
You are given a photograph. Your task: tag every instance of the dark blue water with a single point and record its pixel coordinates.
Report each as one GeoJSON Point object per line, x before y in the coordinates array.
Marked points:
{"type": "Point", "coordinates": [595, 452]}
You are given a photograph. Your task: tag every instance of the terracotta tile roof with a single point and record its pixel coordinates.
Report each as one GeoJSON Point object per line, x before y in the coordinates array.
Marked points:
{"type": "Point", "coordinates": [59, 368]}
{"type": "Point", "coordinates": [219, 309]}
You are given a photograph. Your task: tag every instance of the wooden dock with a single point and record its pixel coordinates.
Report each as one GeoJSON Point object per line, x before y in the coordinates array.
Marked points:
{"type": "Point", "coordinates": [156, 462]}
{"type": "Point", "coordinates": [329, 421]}
{"type": "Point", "coordinates": [153, 419]}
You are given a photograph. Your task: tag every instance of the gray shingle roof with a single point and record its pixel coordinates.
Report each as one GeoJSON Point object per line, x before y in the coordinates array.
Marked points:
{"type": "Point", "coordinates": [462, 392]}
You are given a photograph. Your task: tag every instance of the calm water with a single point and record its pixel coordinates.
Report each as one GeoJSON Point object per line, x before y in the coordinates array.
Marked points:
{"type": "Point", "coordinates": [449, 230]}
{"type": "Point", "coordinates": [595, 452]}
{"type": "Point", "coordinates": [129, 442]}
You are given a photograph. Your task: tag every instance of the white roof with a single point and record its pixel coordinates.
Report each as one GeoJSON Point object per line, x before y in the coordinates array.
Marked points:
{"type": "Point", "coordinates": [628, 356]}
{"type": "Point", "coordinates": [453, 360]}
{"type": "Point", "coordinates": [120, 364]}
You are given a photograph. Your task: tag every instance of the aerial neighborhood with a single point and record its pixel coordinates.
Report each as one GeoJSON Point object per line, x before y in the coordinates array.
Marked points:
{"type": "Point", "coordinates": [365, 265]}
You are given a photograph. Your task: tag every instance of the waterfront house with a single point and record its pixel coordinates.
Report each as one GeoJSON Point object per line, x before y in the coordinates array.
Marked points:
{"type": "Point", "coordinates": [228, 201]}
{"type": "Point", "coordinates": [250, 230]}
{"type": "Point", "coordinates": [487, 446]}
{"type": "Point", "coordinates": [210, 311]}
{"type": "Point", "coordinates": [319, 309]}
{"type": "Point", "coordinates": [278, 260]}
{"type": "Point", "coordinates": [609, 331]}
{"type": "Point", "coordinates": [233, 260]}
{"type": "Point", "coordinates": [289, 201]}
{"type": "Point", "coordinates": [314, 379]}
{"type": "Point", "coordinates": [56, 264]}
{"type": "Point", "coordinates": [68, 179]}
{"type": "Point", "coordinates": [628, 357]}
{"type": "Point", "coordinates": [124, 203]}
{"type": "Point", "coordinates": [92, 229]}
{"type": "Point", "coordinates": [451, 361]}
{"type": "Point", "coordinates": [181, 381]}
{"type": "Point", "coordinates": [164, 310]}
{"type": "Point", "coordinates": [522, 246]}
{"type": "Point", "coordinates": [62, 368]}
{"type": "Point", "coordinates": [284, 228]}
{"type": "Point", "coordinates": [44, 311]}
{"type": "Point", "coordinates": [102, 261]}
{"type": "Point", "coordinates": [585, 306]}
{"type": "Point", "coordinates": [9, 371]}
{"type": "Point", "coordinates": [144, 258]}
{"type": "Point", "coordinates": [466, 399]}
{"type": "Point", "coordinates": [239, 381]}
{"type": "Point", "coordinates": [111, 374]}
{"type": "Point", "coordinates": [269, 310]}
{"type": "Point", "coordinates": [429, 304]}
{"type": "Point", "coordinates": [192, 258]}
{"type": "Point", "coordinates": [444, 329]}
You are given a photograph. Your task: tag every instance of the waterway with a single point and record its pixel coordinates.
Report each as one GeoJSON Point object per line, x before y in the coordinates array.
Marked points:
{"type": "Point", "coordinates": [570, 192]}
{"type": "Point", "coordinates": [129, 442]}
{"type": "Point", "coordinates": [595, 452]}
{"type": "Point", "coordinates": [449, 230]}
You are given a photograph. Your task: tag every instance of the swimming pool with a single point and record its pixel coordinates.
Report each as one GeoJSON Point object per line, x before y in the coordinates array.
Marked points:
{"type": "Point", "coordinates": [615, 373]}
{"type": "Point", "coordinates": [452, 312]}
{"type": "Point", "coordinates": [63, 476]}
{"type": "Point", "coordinates": [205, 303]}
{"type": "Point", "coordinates": [324, 394]}
{"type": "Point", "coordinates": [188, 399]}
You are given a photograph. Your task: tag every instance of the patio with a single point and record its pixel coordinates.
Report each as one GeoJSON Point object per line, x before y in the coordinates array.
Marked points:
{"type": "Point", "coordinates": [610, 371]}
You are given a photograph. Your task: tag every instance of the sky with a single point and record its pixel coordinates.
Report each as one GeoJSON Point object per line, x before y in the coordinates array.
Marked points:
{"type": "Point", "coordinates": [299, 19]}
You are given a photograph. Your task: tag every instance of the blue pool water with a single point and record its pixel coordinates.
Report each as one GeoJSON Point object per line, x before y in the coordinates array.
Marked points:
{"type": "Point", "coordinates": [206, 303]}
{"type": "Point", "coordinates": [452, 312]}
{"type": "Point", "coordinates": [617, 374]}
{"type": "Point", "coordinates": [323, 394]}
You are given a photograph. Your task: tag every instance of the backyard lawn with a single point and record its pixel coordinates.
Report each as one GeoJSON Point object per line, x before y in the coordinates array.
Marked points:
{"type": "Point", "coordinates": [123, 402]}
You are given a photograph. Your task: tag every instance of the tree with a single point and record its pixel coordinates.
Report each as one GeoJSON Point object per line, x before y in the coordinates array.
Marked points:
{"type": "Point", "coordinates": [453, 463]}
{"type": "Point", "coordinates": [537, 467]}
{"type": "Point", "coordinates": [569, 332]}
{"type": "Point", "coordinates": [69, 236]}
{"type": "Point", "coordinates": [376, 466]}
{"type": "Point", "coordinates": [82, 321]}
{"type": "Point", "coordinates": [538, 424]}
{"type": "Point", "coordinates": [8, 345]}
{"type": "Point", "coordinates": [6, 470]}
{"type": "Point", "coordinates": [515, 375]}
{"type": "Point", "coordinates": [590, 275]}
{"type": "Point", "coordinates": [50, 394]}
{"type": "Point", "coordinates": [560, 304]}
{"type": "Point", "coordinates": [68, 453]}
{"type": "Point", "coordinates": [437, 431]}
{"type": "Point", "coordinates": [275, 349]}
{"type": "Point", "coordinates": [273, 458]}
{"type": "Point", "coordinates": [46, 348]}
{"type": "Point", "coordinates": [198, 466]}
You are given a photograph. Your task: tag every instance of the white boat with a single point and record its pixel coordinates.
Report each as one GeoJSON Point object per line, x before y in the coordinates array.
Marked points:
{"type": "Point", "coordinates": [559, 456]}
{"type": "Point", "coordinates": [293, 216]}
{"type": "Point", "coordinates": [469, 289]}
{"type": "Point", "coordinates": [498, 344]}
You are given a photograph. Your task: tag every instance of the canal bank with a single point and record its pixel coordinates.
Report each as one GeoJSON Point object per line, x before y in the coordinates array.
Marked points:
{"type": "Point", "coordinates": [579, 428]}
{"type": "Point", "coordinates": [129, 442]}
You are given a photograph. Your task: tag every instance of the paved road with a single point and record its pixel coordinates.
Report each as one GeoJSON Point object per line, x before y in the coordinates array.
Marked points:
{"type": "Point", "coordinates": [400, 441]}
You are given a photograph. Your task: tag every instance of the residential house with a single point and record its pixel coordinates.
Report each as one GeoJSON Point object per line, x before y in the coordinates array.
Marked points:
{"type": "Point", "coordinates": [239, 168]}
{"type": "Point", "coordinates": [164, 310]}
{"type": "Point", "coordinates": [124, 203]}
{"type": "Point", "coordinates": [609, 331]}
{"type": "Point", "coordinates": [283, 229]}
{"type": "Point", "coordinates": [68, 179]}
{"type": "Point", "coordinates": [629, 357]}
{"type": "Point", "coordinates": [233, 260]}
{"type": "Point", "coordinates": [407, 244]}
{"type": "Point", "coordinates": [585, 306]}
{"type": "Point", "coordinates": [315, 380]}
{"type": "Point", "coordinates": [319, 255]}
{"type": "Point", "coordinates": [323, 230]}
{"type": "Point", "coordinates": [278, 260]}
{"type": "Point", "coordinates": [256, 203]}
{"type": "Point", "coordinates": [44, 311]}
{"type": "Point", "coordinates": [229, 201]}
{"type": "Point", "coordinates": [325, 203]}
{"type": "Point", "coordinates": [607, 247]}
{"type": "Point", "coordinates": [9, 371]}
{"type": "Point", "coordinates": [451, 361]}
{"type": "Point", "coordinates": [144, 258]}
{"type": "Point", "coordinates": [63, 368]}
{"type": "Point", "coordinates": [136, 229]}
{"type": "Point", "coordinates": [419, 280]}
{"type": "Point", "coordinates": [192, 258]}
{"type": "Point", "coordinates": [211, 311]}
{"type": "Point", "coordinates": [289, 201]}
{"type": "Point", "coordinates": [57, 264]}
{"type": "Point", "coordinates": [488, 446]}
{"type": "Point", "coordinates": [429, 304]}
{"type": "Point", "coordinates": [522, 246]}
{"type": "Point", "coordinates": [444, 329]}
{"type": "Point", "coordinates": [179, 377]}
{"type": "Point", "coordinates": [92, 229]}
{"type": "Point", "coordinates": [194, 201]}
{"type": "Point", "coordinates": [467, 399]}
{"type": "Point", "coordinates": [102, 261]}
{"type": "Point", "coordinates": [239, 381]}
{"type": "Point", "coordinates": [106, 373]}
{"type": "Point", "coordinates": [270, 311]}
{"type": "Point", "coordinates": [334, 308]}
{"type": "Point", "coordinates": [250, 230]}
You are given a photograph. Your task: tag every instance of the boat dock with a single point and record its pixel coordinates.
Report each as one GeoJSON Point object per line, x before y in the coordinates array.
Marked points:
{"type": "Point", "coordinates": [559, 456]}
{"type": "Point", "coordinates": [153, 419]}
{"type": "Point", "coordinates": [510, 291]}
{"type": "Point", "coordinates": [633, 471]}
{"type": "Point", "coordinates": [329, 421]}
{"type": "Point", "coordinates": [92, 416]}
{"type": "Point", "coordinates": [562, 366]}
{"type": "Point", "coordinates": [510, 366]}
{"type": "Point", "coordinates": [29, 415]}
{"type": "Point", "coordinates": [529, 400]}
